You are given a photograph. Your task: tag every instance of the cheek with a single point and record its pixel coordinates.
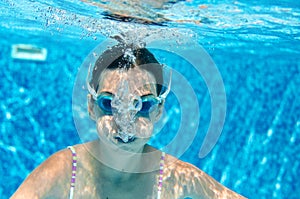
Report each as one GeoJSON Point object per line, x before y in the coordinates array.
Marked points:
{"type": "Point", "coordinates": [106, 126]}
{"type": "Point", "coordinates": [99, 113]}
{"type": "Point", "coordinates": [144, 128]}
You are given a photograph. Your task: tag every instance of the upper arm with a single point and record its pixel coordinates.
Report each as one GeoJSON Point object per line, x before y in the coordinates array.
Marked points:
{"type": "Point", "coordinates": [204, 186]}
{"type": "Point", "coordinates": [185, 180]}
{"type": "Point", "coordinates": [51, 177]}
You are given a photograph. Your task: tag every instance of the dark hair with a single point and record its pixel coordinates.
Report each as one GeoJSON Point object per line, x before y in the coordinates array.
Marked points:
{"type": "Point", "coordinates": [115, 57]}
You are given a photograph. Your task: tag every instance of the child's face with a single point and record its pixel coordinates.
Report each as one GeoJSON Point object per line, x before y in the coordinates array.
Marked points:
{"type": "Point", "coordinates": [118, 120]}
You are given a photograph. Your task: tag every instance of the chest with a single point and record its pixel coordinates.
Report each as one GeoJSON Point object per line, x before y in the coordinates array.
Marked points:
{"type": "Point", "coordinates": [87, 186]}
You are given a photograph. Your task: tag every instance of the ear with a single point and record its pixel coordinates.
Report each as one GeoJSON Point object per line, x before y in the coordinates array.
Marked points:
{"type": "Point", "coordinates": [91, 106]}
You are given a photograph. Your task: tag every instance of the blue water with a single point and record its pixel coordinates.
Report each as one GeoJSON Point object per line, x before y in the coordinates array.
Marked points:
{"type": "Point", "coordinates": [258, 153]}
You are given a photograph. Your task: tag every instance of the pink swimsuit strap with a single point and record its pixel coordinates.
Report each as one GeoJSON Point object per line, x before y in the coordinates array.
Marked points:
{"type": "Point", "coordinates": [74, 167]}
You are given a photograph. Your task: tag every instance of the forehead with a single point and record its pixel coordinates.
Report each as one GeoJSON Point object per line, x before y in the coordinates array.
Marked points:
{"type": "Point", "coordinates": [140, 81]}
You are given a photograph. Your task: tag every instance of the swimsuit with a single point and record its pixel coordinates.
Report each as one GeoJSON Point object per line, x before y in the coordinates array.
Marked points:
{"type": "Point", "coordinates": [74, 167]}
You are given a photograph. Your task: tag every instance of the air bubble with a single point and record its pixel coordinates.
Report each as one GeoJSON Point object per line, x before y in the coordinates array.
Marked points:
{"type": "Point", "coordinates": [125, 107]}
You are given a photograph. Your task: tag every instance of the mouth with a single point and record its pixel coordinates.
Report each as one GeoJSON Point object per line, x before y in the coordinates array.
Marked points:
{"type": "Point", "coordinates": [122, 141]}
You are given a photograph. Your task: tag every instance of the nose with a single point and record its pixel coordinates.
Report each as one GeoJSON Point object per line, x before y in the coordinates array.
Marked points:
{"type": "Point", "coordinates": [124, 102]}
{"type": "Point", "coordinates": [125, 106]}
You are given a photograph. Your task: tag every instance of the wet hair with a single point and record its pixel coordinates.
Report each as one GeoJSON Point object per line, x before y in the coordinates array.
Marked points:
{"type": "Point", "coordinates": [115, 58]}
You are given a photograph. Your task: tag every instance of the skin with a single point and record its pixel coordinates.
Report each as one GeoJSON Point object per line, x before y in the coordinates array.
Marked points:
{"type": "Point", "coordinates": [94, 179]}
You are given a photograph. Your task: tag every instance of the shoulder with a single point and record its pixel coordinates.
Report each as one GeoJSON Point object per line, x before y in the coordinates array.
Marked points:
{"type": "Point", "coordinates": [190, 181]}
{"type": "Point", "coordinates": [52, 176]}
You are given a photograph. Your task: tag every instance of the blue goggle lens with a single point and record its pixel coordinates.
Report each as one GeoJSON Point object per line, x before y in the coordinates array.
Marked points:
{"type": "Point", "coordinates": [104, 103]}
{"type": "Point", "coordinates": [148, 104]}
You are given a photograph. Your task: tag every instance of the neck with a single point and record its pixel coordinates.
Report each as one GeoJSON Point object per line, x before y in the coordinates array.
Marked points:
{"type": "Point", "coordinates": [119, 165]}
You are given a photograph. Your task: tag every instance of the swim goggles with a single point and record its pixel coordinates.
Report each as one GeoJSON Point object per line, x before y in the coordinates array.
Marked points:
{"type": "Point", "coordinates": [149, 102]}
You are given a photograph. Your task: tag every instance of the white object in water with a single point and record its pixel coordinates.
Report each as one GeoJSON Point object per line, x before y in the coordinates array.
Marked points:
{"type": "Point", "coordinates": [28, 52]}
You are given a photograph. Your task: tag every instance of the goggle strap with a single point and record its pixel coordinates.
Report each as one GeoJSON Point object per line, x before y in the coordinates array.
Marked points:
{"type": "Point", "coordinates": [165, 94]}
